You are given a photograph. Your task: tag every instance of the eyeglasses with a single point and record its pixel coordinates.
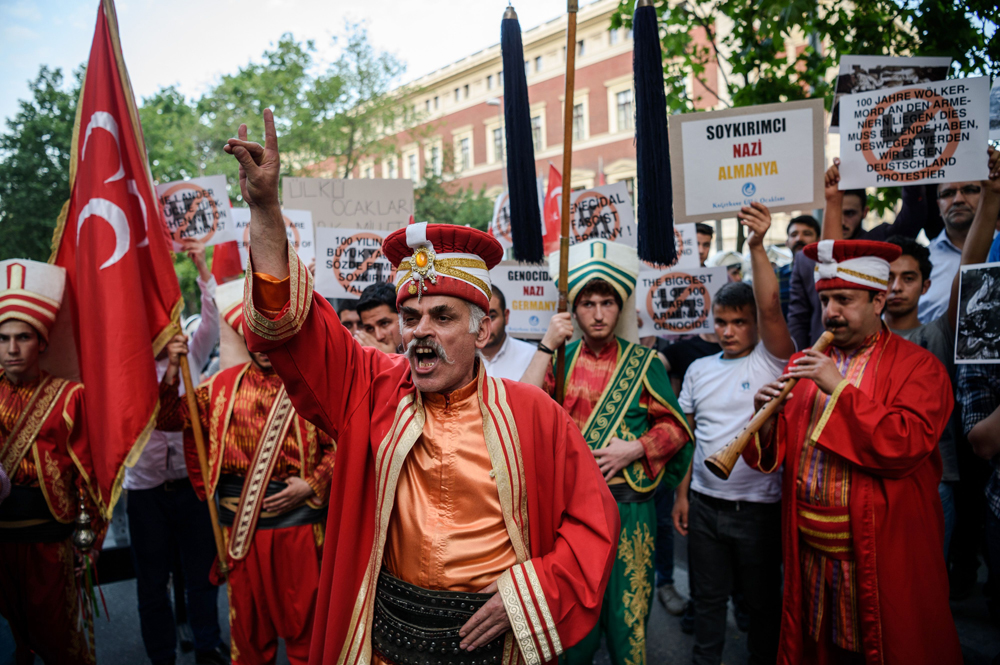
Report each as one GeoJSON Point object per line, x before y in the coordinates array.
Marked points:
{"type": "Point", "coordinates": [967, 191]}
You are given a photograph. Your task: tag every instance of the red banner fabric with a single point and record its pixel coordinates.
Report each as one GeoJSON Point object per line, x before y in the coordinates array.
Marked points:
{"type": "Point", "coordinates": [551, 213]}
{"type": "Point", "coordinates": [122, 291]}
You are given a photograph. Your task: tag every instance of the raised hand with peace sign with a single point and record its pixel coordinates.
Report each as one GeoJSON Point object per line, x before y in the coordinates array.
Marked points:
{"type": "Point", "coordinates": [259, 168]}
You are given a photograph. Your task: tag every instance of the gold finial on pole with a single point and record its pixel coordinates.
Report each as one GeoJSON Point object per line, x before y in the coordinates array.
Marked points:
{"type": "Point", "coordinates": [510, 13]}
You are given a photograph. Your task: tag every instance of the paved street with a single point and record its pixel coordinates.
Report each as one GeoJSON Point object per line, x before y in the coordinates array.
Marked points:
{"type": "Point", "coordinates": [119, 641]}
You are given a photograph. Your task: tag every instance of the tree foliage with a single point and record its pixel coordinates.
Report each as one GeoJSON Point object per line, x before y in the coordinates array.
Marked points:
{"type": "Point", "coordinates": [439, 202]}
{"type": "Point", "coordinates": [34, 165]}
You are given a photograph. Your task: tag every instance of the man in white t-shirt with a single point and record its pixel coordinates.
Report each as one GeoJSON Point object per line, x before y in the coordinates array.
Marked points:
{"type": "Point", "coordinates": [504, 356]}
{"type": "Point", "coordinates": [734, 526]}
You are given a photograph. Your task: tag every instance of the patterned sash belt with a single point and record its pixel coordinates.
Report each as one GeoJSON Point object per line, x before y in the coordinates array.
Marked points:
{"type": "Point", "coordinates": [25, 518]}
{"type": "Point", "coordinates": [827, 529]}
{"type": "Point", "coordinates": [415, 626]}
{"type": "Point", "coordinates": [230, 488]}
{"type": "Point", "coordinates": [623, 492]}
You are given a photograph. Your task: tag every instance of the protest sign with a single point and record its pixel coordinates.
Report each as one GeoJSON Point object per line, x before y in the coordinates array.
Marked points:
{"type": "Point", "coordinates": [365, 204]}
{"type": "Point", "coordinates": [197, 208]}
{"type": "Point", "coordinates": [977, 335]}
{"type": "Point", "coordinates": [531, 297]}
{"type": "Point", "coordinates": [677, 302]}
{"type": "Point", "coordinates": [603, 212]}
{"type": "Point", "coordinates": [995, 111]}
{"type": "Point", "coordinates": [864, 73]}
{"type": "Point", "coordinates": [349, 260]}
{"type": "Point", "coordinates": [500, 222]}
{"type": "Point", "coordinates": [724, 160]}
{"type": "Point", "coordinates": [929, 133]}
{"type": "Point", "coordinates": [298, 228]}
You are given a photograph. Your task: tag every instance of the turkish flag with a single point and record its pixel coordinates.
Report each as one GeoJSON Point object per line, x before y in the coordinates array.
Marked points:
{"type": "Point", "coordinates": [551, 212]}
{"type": "Point", "coordinates": [121, 287]}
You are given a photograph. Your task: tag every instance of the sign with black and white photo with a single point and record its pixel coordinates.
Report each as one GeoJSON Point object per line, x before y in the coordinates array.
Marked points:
{"type": "Point", "coordinates": [865, 73]}
{"type": "Point", "coordinates": [977, 335]}
{"type": "Point", "coordinates": [366, 204]}
{"type": "Point", "coordinates": [724, 160]}
{"type": "Point", "coordinates": [677, 301]}
{"type": "Point", "coordinates": [531, 297]}
{"type": "Point", "coordinates": [298, 228]}
{"type": "Point", "coordinates": [349, 260]}
{"type": "Point", "coordinates": [197, 208]}
{"type": "Point", "coordinates": [929, 133]}
{"type": "Point", "coordinates": [500, 222]}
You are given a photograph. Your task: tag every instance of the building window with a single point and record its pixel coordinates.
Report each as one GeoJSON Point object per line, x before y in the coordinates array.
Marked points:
{"type": "Point", "coordinates": [436, 160]}
{"type": "Point", "coordinates": [437, 104]}
{"type": "Point", "coordinates": [538, 63]}
{"type": "Point", "coordinates": [413, 164]}
{"type": "Point", "coordinates": [624, 102]}
{"type": "Point", "coordinates": [613, 37]}
{"type": "Point", "coordinates": [578, 122]}
{"type": "Point", "coordinates": [456, 94]}
{"type": "Point", "coordinates": [536, 132]}
{"type": "Point", "coordinates": [579, 48]}
{"type": "Point", "coordinates": [465, 90]}
{"type": "Point", "coordinates": [390, 169]}
{"type": "Point", "coordinates": [630, 186]}
{"type": "Point", "coordinates": [489, 82]}
{"type": "Point", "coordinates": [499, 143]}
{"type": "Point", "coordinates": [527, 69]}
{"type": "Point", "coordinates": [628, 35]}
{"type": "Point", "coordinates": [465, 153]}
{"type": "Point", "coordinates": [369, 172]}
{"type": "Point", "coordinates": [427, 105]}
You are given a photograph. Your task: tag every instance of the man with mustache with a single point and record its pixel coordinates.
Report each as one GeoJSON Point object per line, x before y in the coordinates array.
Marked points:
{"type": "Point", "coordinates": [618, 394]}
{"type": "Point", "coordinates": [271, 472]}
{"type": "Point", "coordinates": [468, 522]}
{"type": "Point", "coordinates": [865, 581]}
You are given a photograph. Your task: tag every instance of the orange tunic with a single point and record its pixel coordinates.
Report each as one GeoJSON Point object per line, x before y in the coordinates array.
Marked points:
{"type": "Point", "coordinates": [447, 530]}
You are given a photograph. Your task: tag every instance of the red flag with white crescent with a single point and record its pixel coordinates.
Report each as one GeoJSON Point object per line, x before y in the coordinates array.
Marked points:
{"type": "Point", "coordinates": [122, 291]}
{"type": "Point", "coordinates": [552, 215]}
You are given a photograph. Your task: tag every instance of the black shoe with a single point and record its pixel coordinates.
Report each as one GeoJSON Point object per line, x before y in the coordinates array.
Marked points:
{"type": "Point", "coordinates": [687, 619]}
{"type": "Point", "coordinates": [217, 656]}
{"type": "Point", "coordinates": [185, 637]}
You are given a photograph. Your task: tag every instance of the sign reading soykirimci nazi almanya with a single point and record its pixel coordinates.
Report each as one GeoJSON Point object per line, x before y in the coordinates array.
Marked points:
{"type": "Point", "coordinates": [349, 260]}
{"type": "Point", "coordinates": [724, 160]}
{"type": "Point", "coordinates": [925, 133]}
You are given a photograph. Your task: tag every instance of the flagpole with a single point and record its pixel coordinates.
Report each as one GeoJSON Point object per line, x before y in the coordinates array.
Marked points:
{"type": "Point", "coordinates": [199, 444]}
{"type": "Point", "coordinates": [572, 6]}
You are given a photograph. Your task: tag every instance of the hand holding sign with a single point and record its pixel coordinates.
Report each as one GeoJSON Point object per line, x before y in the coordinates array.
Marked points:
{"type": "Point", "coordinates": [993, 182]}
{"type": "Point", "coordinates": [831, 184]}
{"type": "Point", "coordinates": [757, 218]}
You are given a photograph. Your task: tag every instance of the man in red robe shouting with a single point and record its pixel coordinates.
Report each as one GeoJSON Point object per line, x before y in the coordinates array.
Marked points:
{"type": "Point", "coordinates": [865, 581]}
{"type": "Point", "coordinates": [468, 521]}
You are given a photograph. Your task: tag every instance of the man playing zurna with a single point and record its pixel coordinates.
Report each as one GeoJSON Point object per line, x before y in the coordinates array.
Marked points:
{"type": "Point", "coordinates": [468, 521]}
{"type": "Point", "coordinates": [43, 448]}
{"type": "Point", "coordinates": [618, 393]}
{"type": "Point", "coordinates": [863, 526]}
{"type": "Point", "coordinates": [271, 471]}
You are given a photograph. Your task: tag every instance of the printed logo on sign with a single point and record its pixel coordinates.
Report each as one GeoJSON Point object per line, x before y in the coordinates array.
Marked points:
{"type": "Point", "coordinates": [595, 215]}
{"type": "Point", "coordinates": [533, 320]}
{"type": "Point", "coordinates": [358, 263]}
{"type": "Point", "coordinates": [678, 303]}
{"type": "Point", "coordinates": [190, 212]}
{"type": "Point", "coordinates": [749, 189]}
{"type": "Point", "coordinates": [894, 125]}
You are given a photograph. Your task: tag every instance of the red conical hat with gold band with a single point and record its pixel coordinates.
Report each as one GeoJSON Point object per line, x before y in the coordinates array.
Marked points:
{"type": "Point", "coordinates": [852, 264]}
{"type": "Point", "coordinates": [32, 292]}
{"type": "Point", "coordinates": [443, 260]}
{"type": "Point", "coordinates": [229, 300]}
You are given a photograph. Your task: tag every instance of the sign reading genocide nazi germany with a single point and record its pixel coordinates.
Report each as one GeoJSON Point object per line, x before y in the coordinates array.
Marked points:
{"type": "Point", "coordinates": [368, 204]}
{"type": "Point", "coordinates": [677, 301]}
{"type": "Point", "coordinates": [927, 133]}
{"type": "Point", "coordinates": [531, 297]}
{"type": "Point", "coordinates": [197, 208]}
{"type": "Point", "coordinates": [724, 160]}
{"type": "Point", "coordinates": [349, 260]}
